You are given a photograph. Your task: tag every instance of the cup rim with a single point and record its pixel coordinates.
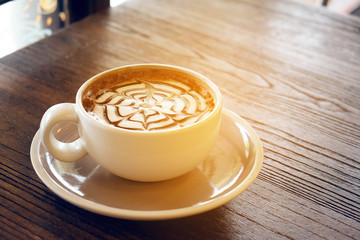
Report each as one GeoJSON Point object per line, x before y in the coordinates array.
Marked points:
{"type": "Point", "coordinates": [214, 88]}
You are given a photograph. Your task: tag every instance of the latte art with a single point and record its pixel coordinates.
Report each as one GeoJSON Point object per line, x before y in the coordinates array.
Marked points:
{"type": "Point", "coordinates": [151, 105]}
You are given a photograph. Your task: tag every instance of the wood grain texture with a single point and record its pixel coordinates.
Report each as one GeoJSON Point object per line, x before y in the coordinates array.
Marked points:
{"type": "Point", "coordinates": [291, 70]}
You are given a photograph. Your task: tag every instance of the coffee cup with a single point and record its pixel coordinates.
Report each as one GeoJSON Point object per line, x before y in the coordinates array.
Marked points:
{"type": "Point", "coordinates": [143, 122]}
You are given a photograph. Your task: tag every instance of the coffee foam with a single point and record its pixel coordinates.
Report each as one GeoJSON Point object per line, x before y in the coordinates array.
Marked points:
{"type": "Point", "coordinates": [148, 100]}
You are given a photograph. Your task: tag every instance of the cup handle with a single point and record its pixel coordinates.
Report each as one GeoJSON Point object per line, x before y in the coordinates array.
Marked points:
{"type": "Point", "coordinates": [66, 152]}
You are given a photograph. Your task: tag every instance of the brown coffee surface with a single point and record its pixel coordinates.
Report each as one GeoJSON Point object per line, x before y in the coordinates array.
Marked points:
{"type": "Point", "coordinates": [147, 102]}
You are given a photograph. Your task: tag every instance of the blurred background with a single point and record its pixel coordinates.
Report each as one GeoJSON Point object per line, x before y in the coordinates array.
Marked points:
{"type": "Point", "coordinates": [23, 22]}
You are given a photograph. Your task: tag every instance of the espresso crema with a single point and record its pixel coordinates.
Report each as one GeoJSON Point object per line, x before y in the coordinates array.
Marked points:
{"type": "Point", "coordinates": [147, 105]}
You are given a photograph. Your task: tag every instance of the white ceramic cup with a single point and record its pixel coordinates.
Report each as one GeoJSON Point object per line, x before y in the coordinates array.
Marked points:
{"type": "Point", "coordinates": [132, 154]}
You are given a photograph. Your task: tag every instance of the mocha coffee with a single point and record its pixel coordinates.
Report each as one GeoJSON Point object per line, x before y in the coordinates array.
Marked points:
{"type": "Point", "coordinates": [148, 99]}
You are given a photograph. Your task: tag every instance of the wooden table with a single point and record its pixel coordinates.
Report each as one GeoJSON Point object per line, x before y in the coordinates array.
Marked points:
{"type": "Point", "coordinates": [290, 70]}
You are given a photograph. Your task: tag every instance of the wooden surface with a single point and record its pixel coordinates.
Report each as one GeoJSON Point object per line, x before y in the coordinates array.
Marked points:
{"type": "Point", "coordinates": [291, 70]}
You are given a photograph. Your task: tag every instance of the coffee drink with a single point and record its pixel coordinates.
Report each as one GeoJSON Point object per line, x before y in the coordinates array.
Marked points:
{"type": "Point", "coordinates": [143, 122]}
{"type": "Point", "coordinates": [148, 100]}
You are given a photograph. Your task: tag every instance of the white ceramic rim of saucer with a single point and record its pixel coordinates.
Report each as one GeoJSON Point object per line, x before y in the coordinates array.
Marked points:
{"type": "Point", "coordinates": [157, 214]}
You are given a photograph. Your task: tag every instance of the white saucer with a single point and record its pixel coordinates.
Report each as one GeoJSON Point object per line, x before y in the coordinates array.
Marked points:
{"type": "Point", "coordinates": [232, 166]}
